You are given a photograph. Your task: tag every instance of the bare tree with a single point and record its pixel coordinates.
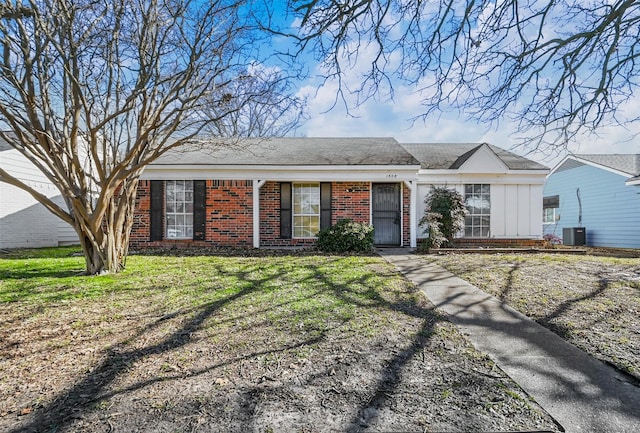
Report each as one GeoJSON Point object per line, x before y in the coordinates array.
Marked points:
{"type": "Point", "coordinates": [557, 67]}
{"type": "Point", "coordinates": [92, 91]}
{"type": "Point", "coordinates": [267, 106]}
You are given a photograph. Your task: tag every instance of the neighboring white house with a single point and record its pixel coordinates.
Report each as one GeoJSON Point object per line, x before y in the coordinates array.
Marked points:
{"type": "Point", "coordinates": [25, 223]}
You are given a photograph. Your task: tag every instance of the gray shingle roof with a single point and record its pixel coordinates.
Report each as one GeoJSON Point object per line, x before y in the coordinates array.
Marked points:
{"type": "Point", "coordinates": [627, 162]}
{"type": "Point", "coordinates": [298, 151]}
{"type": "Point", "coordinates": [453, 155]}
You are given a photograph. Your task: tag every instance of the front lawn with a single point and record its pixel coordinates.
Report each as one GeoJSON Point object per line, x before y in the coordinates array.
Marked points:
{"type": "Point", "coordinates": [593, 302]}
{"type": "Point", "coordinates": [212, 343]}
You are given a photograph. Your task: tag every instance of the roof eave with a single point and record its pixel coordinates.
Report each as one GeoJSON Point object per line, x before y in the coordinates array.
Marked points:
{"type": "Point", "coordinates": [261, 167]}
{"type": "Point", "coordinates": [591, 163]}
{"type": "Point", "coordinates": [634, 181]}
{"type": "Point", "coordinates": [511, 171]}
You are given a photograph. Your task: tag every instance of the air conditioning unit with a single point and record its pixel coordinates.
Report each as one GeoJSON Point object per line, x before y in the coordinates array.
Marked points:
{"type": "Point", "coordinates": [575, 236]}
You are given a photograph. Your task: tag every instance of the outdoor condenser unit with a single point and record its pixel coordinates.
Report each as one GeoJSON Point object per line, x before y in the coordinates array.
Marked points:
{"type": "Point", "coordinates": [576, 236]}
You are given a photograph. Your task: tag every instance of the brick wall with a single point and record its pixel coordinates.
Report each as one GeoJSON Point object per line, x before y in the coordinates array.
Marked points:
{"type": "Point", "coordinates": [351, 200]}
{"type": "Point", "coordinates": [270, 219]}
{"type": "Point", "coordinates": [348, 200]}
{"type": "Point", "coordinates": [229, 207]}
{"type": "Point", "coordinates": [497, 243]}
{"type": "Point", "coordinates": [229, 217]}
{"type": "Point", "coordinates": [269, 213]}
{"type": "Point", "coordinates": [229, 214]}
{"type": "Point", "coordinates": [406, 207]}
{"type": "Point", "coordinates": [141, 231]}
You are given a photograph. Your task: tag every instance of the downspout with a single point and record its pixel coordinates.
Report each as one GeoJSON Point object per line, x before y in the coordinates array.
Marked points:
{"type": "Point", "coordinates": [257, 184]}
{"type": "Point", "coordinates": [579, 207]}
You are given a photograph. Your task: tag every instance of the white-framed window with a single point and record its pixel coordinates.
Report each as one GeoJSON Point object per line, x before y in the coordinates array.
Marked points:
{"type": "Point", "coordinates": [550, 207]}
{"type": "Point", "coordinates": [477, 198]}
{"type": "Point", "coordinates": [549, 215]}
{"type": "Point", "coordinates": [179, 209]}
{"type": "Point", "coordinates": [306, 210]}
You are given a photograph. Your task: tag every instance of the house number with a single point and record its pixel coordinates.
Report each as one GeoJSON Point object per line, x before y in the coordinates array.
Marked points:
{"type": "Point", "coordinates": [392, 176]}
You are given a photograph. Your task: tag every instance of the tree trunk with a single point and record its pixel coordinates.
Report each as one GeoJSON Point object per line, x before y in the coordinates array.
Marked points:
{"type": "Point", "coordinates": [106, 246]}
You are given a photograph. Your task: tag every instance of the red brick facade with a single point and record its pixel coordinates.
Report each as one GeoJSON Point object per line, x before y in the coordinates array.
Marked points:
{"type": "Point", "coordinates": [351, 200]}
{"type": "Point", "coordinates": [229, 214]}
{"type": "Point", "coordinates": [348, 200]}
{"type": "Point", "coordinates": [141, 232]}
{"type": "Point", "coordinates": [229, 217]}
{"type": "Point", "coordinates": [406, 206]}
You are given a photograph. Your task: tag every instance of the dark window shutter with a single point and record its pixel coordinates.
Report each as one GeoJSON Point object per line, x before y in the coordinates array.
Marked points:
{"type": "Point", "coordinates": [199, 209]}
{"type": "Point", "coordinates": [285, 210]}
{"type": "Point", "coordinates": [157, 199]}
{"type": "Point", "coordinates": [325, 205]}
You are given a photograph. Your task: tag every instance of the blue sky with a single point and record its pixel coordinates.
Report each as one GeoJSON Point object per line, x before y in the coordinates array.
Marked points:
{"type": "Point", "coordinates": [392, 118]}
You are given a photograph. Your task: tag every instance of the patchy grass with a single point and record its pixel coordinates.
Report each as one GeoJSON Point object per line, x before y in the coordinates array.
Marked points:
{"type": "Point", "coordinates": [594, 302]}
{"type": "Point", "coordinates": [282, 343]}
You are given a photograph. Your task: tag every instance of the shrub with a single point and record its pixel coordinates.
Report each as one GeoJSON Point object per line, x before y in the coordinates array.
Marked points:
{"type": "Point", "coordinates": [346, 236]}
{"type": "Point", "coordinates": [433, 220]}
{"type": "Point", "coordinates": [444, 216]}
{"type": "Point", "coordinates": [550, 240]}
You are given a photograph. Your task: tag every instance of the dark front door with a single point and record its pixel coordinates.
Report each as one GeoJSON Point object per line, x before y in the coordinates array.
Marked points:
{"type": "Point", "coordinates": [386, 213]}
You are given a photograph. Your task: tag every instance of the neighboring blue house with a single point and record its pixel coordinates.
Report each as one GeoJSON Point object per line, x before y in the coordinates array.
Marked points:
{"type": "Point", "coordinates": [598, 192]}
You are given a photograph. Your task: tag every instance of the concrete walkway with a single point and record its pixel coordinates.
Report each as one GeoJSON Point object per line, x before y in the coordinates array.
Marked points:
{"type": "Point", "coordinates": [580, 392]}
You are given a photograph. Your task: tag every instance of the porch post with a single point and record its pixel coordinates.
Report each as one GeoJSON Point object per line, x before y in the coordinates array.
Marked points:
{"type": "Point", "coordinates": [257, 184]}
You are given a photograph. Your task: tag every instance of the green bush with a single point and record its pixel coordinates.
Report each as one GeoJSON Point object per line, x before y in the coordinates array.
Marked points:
{"type": "Point", "coordinates": [436, 238]}
{"type": "Point", "coordinates": [346, 236]}
{"type": "Point", "coordinates": [444, 216]}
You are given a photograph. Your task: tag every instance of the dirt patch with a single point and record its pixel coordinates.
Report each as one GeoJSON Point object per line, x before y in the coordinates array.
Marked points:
{"type": "Point", "coordinates": [260, 356]}
{"type": "Point", "coordinates": [593, 302]}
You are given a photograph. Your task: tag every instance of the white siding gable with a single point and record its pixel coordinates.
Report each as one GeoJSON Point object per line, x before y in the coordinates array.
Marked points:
{"type": "Point", "coordinates": [483, 160]}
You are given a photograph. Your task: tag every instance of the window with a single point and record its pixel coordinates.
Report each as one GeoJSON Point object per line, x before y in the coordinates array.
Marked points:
{"type": "Point", "coordinates": [550, 206]}
{"type": "Point", "coordinates": [477, 198]}
{"type": "Point", "coordinates": [179, 209]}
{"type": "Point", "coordinates": [306, 210]}
{"type": "Point", "coordinates": [549, 215]}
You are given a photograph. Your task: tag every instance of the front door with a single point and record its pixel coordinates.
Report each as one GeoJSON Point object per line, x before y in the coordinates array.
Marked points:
{"type": "Point", "coordinates": [386, 214]}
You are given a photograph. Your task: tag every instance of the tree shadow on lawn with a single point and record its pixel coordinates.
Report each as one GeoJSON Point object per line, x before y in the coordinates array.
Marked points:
{"type": "Point", "coordinates": [508, 286]}
{"type": "Point", "coordinates": [90, 390]}
{"type": "Point", "coordinates": [26, 264]}
{"type": "Point", "coordinates": [25, 274]}
{"type": "Point", "coordinates": [86, 392]}
{"type": "Point", "coordinates": [603, 286]}
{"type": "Point", "coordinates": [389, 378]}
{"type": "Point", "coordinates": [95, 386]}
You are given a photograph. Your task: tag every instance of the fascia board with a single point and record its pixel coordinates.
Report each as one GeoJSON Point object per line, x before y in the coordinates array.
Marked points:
{"type": "Point", "coordinates": [261, 167]}
{"type": "Point", "coordinates": [513, 176]}
{"type": "Point", "coordinates": [633, 181]}
{"type": "Point", "coordinates": [288, 173]}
